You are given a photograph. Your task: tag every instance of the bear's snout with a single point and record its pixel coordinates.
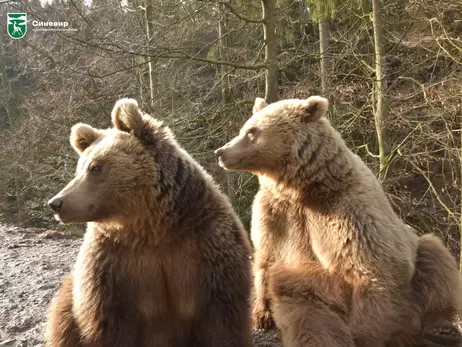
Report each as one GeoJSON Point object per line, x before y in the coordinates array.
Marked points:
{"type": "Point", "coordinates": [56, 204]}
{"type": "Point", "coordinates": [218, 153]}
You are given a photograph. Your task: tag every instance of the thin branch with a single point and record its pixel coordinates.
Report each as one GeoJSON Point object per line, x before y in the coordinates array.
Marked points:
{"type": "Point", "coordinates": [241, 17]}
{"type": "Point", "coordinates": [215, 62]}
{"type": "Point", "coordinates": [430, 183]}
{"type": "Point", "coordinates": [237, 14]}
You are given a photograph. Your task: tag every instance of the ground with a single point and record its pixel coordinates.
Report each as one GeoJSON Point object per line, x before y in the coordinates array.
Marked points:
{"type": "Point", "coordinates": [32, 263]}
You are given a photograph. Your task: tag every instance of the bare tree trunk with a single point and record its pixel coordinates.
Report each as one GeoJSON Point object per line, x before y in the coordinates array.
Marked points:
{"type": "Point", "coordinates": [226, 91]}
{"type": "Point", "coordinates": [223, 44]}
{"type": "Point", "coordinates": [380, 83]}
{"type": "Point", "coordinates": [324, 38]}
{"type": "Point", "coordinates": [139, 75]}
{"type": "Point", "coordinates": [149, 17]}
{"type": "Point", "coordinates": [271, 50]}
{"type": "Point", "coordinates": [460, 183]}
{"type": "Point", "coordinates": [6, 105]}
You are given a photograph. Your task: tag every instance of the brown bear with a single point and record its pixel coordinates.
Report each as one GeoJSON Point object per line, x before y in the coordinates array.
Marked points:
{"type": "Point", "coordinates": [165, 260]}
{"type": "Point", "coordinates": [333, 262]}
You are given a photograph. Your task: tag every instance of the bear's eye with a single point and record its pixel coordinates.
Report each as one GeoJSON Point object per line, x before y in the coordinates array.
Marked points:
{"type": "Point", "coordinates": [94, 167]}
{"type": "Point", "coordinates": [252, 133]}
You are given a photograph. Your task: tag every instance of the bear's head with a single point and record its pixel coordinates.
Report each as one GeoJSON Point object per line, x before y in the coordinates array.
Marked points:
{"type": "Point", "coordinates": [271, 140]}
{"type": "Point", "coordinates": [115, 170]}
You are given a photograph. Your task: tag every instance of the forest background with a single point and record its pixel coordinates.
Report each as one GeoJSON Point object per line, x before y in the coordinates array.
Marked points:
{"type": "Point", "coordinates": [392, 71]}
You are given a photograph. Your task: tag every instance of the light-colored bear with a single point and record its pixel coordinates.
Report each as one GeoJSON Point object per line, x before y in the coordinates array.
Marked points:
{"type": "Point", "coordinates": [334, 264]}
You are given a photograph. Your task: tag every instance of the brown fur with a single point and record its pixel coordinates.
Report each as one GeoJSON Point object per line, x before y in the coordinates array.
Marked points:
{"type": "Point", "coordinates": [61, 318]}
{"type": "Point", "coordinates": [437, 291]}
{"type": "Point", "coordinates": [310, 298]}
{"type": "Point", "coordinates": [319, 203]}
{"type": "Point", "coordinates": [165, 260]}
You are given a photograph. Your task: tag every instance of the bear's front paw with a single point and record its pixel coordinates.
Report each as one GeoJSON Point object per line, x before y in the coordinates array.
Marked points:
{"type": "Point", "coordinates": [263, 319]}
{"type": "Point", "coordinates": [443, 335]}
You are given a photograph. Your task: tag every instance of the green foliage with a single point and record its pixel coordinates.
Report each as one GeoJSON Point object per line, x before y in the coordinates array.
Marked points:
{"type": "Point", "coordinates": [324, 9]}
{"type": "Point", "coordinates": [321, 9]}
{"type": "Point", "coordinates": [213, 54]}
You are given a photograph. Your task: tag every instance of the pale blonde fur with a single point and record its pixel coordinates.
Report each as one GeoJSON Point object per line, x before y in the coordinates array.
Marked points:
{"type": "Point", "coordinates": [320, 207]}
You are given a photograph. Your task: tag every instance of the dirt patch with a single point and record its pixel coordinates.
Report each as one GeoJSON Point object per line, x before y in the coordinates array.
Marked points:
{"type": "Point", "coordinates": [32, 264]}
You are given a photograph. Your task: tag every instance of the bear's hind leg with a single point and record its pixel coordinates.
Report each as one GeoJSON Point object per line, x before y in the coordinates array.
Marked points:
{"type": "Point", "coordinates": [61, 328]}
{"type": "Point", "coordinates": [311, 324]}
{"type": "Point", "coordinates": [437, 290]}
{"type": "Point", "coordinates": [309, 306]}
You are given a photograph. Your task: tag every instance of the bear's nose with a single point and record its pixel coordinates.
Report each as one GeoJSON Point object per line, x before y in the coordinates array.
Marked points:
{"type": "Point", "coordinates": [55, 204]}
{"type": "Point", "coordinates": [218, 152]}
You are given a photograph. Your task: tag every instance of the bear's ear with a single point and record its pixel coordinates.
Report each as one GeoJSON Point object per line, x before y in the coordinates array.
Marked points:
{"type": "Point", "coordinates": [127, 117]}
{"type": "Point", "coordinates": [314, 108]}
{"type": "Point", "coordinates": [260, 103]}
{"type": "Point", "coordinates": [82, 136]}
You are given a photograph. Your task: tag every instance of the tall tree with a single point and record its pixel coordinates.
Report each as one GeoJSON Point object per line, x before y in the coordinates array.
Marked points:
{"type": "Point", "coordinates": [6, 97]}
{"type": "Point", "coordinates": [149, 22]}
{"type": "Point", "coordinates": [324, 38]}
{"type": "Point", "coordinates": [321, 11]}
{"type": "Point", "coordinates": [381, 110]}
{"type": "Point", "coordinates": [460, 182]}
{"type": "Point", "coordinates": [271, 50]}
{"type": "Point", "coordinates": [226, 97]}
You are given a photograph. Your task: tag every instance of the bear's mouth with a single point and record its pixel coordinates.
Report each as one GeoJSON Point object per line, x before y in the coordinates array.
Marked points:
{"type": "Point", "coordinates": [228, 166]}
{"type": "Point", "coordinates": [67, 220]}
{"type": "Point", "coordinates": [62, 220]}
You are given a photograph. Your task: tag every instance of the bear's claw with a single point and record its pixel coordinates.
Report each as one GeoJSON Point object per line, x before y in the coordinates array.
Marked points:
{"type": "Point", "coordinates": [264, 320]}
{"type": "Point", "coordinates": [440, 336]}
